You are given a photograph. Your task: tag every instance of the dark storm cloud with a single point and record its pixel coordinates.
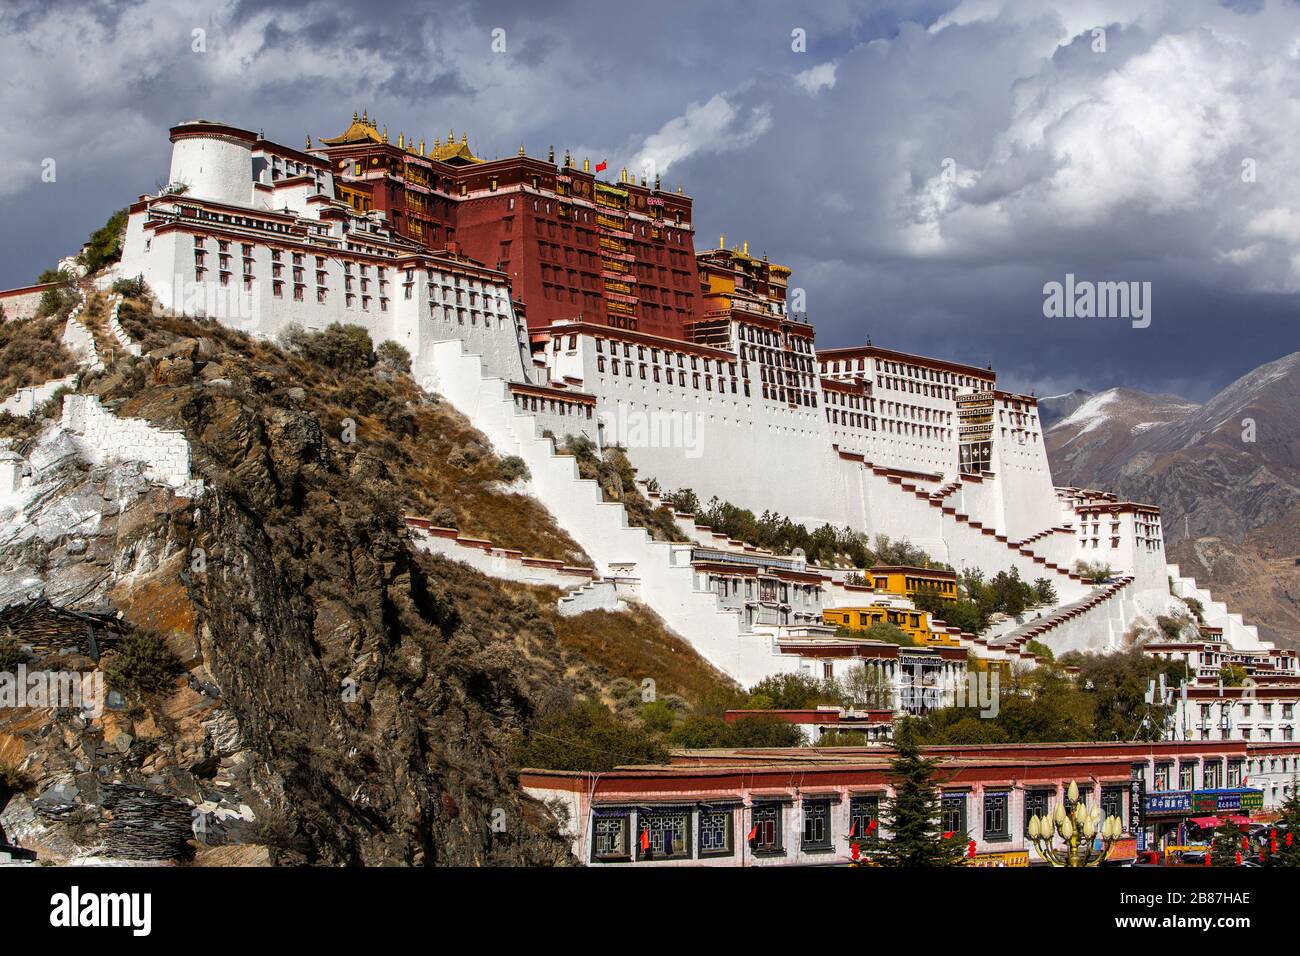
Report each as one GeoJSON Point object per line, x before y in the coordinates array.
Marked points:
{"type": "Point", "coordinates": [925, 167]}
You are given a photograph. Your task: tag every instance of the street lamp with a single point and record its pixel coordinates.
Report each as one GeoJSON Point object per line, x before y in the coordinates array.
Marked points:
{"type": "Point", "coordinates": [1077, 826]}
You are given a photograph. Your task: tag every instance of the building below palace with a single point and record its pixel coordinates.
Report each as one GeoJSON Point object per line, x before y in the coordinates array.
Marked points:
{"type": "Point", "coordinates": [804, 807]}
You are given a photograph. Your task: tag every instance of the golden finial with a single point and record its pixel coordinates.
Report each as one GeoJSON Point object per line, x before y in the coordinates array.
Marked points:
{"type": "Point", "coordinates": [437, 143]}
{"type": "Point", "coordinates": [365, 117]}
{"type": "Point", "coordinates": [309, 141]}
{"type": "Point", "coordinates": [451, 137]}
{"type": "Point", "coordinates": [354, 116]}
{"type": "Point", "coordinates": [586, 165]}
{"type": "Point", "coordinates": [643, 180]}
{"type": "Point", "coordinates": [401, 141]}
{"type": "Point", "coordinates": [656, 182]}
{"type": "Point", "coordinates": [521, 149]}
{"type": "Point", "coordinates": [385, 132]}
{"type": "Point", "coordinates": [421, 147]}
{"type": "Point", "coordinates": [744, 247]}
{"type": "Point", "coordinates": [550, 156]}
{"type": "Point", "coordinates": [567, 162]}
{"type": "Point", "coordinates": [464, 138]}
{"type": "Point", "coordinates": [722, 242]}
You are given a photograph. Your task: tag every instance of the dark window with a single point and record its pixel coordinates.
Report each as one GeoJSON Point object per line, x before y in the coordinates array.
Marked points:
{"type": "Point", "coordinates": [952, 814]}
{"type": "Point", "coordinates": [610, 838]}
{"type": "Point", "coordinates": [816, 824]}
{"type": "Point", "coordinates": [715, 832]}
{"type": "Point", "coordinates": [1112, 802]}
{"type": "Point", "coordinates": [668, 834]}
{"type": "Point", "coordinates": [766, 830]}
{"type": "Point", "coordinates": [1036, 804]}
{"type": "Point", "coordinates": [996, 823]}
{"type": "Point", "coordinates": [862, 810]}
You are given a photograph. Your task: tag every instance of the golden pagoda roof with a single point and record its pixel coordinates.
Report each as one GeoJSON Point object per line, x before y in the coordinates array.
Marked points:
{"type": "Point", "coordinates": [455, 153]}
{"type": "Point", "coordinates": [362, 130]}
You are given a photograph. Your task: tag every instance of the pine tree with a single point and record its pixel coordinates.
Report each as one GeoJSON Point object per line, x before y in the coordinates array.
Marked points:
{"type": "Point", "coordinates": [1288, 823]}
{"type": "Point", "coordinates": [1226, 845]}
{"type": "Point", "coordinates": [912, 814]}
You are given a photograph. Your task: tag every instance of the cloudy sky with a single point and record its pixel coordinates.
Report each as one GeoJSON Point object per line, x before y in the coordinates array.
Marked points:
{"type": "Point", "coordinates": [924, 167]}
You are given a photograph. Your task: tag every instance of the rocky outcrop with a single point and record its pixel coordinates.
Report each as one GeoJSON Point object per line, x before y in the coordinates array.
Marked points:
{"type": "Point", "coordinates": [345, 698]}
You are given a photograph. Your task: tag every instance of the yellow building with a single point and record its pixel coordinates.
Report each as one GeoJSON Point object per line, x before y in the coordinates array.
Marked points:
{"type": "Point", "coordinates": [910, 582]}
{"type": "Point", "coordinates": [915, 624]}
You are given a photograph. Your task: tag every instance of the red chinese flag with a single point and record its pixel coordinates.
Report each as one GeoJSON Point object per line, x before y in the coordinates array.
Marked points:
{"type": "Point", "coordinates": [947, 834]}
{"type": "Point", "coordinates": [871, 827]}
{"type": "Point", "coordinates": [645, 840]}
{"type": "Point", "coordinates": [853, 830]}
{"type": "Point", "coordinates": [601, 166]}
{"type": "Point", "coordinates": [753, 834]}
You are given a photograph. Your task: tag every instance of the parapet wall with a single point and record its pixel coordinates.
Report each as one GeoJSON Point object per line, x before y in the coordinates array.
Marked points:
{"type": "Point", "coordinates": [102, 436]}
{"type": "Point", "coordinates": [504, 563]}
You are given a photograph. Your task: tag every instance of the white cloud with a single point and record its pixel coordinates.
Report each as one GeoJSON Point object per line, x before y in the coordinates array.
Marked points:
{"type": "Point", "coordinates": [716, 126]}
{"type": "Point", "coordinates": [817, 78]}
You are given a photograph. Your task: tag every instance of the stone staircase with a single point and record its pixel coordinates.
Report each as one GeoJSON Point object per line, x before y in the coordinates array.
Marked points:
{"type": "Point", "coordinates": [1236, 631]}
{"type": "Point", "coordinates": [666, 580]}
{"type": "Point", "coordinates": [987, 548]}
{"type": "Point", "coordinates": [1052, 626]}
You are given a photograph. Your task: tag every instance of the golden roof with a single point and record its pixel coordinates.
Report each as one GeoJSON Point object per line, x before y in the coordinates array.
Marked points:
{"type": "Point", "coordinates": [455, 153]}
{"type": "Point", "coordinates": [362, 130]}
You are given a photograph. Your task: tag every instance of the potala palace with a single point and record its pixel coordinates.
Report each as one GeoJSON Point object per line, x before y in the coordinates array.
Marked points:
{"type": "Point", "coordinates": [543, 302]}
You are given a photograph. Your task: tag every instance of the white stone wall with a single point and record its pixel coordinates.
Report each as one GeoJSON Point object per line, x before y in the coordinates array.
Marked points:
{"type": "Point", "coordinates": [503, 563]}
{"type": "Point", "coordinates": [1236, 631]}
{"type": "Point", "coordinates": [215, 167]}
{"type": "Point", "coordinates": [119, 333]}
{"type": "Point", "coordinates": [102, 436]}
{"type": "Point", "coordinates": [596, 596]}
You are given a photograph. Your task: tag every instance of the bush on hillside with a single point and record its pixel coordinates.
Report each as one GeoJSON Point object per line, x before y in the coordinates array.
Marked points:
{"type": "Point", "coordinates": [394, 356]}
{"type": "Point", "coordinates": [141, 663]}
{"type": "Point", "coordinates": [105, 244]}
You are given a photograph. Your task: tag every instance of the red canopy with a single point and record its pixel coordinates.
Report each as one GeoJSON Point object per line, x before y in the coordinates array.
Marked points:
{"type": "Point", "coordinates": [1241, 821]}
{"type": "Point", "coordinates": [1204, 822]}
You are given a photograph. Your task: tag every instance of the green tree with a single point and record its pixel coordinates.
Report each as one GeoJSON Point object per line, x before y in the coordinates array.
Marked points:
{"type": "Point", "coordinates": [912, 815]}
{"type": "Point", "coordinates": [588, 736]}
{"type": "Point", "coordinates": [105, 244]}
{"type": "Point", "coordinates": [1226, 845]}
{"type": "Point", "coordinates": [867, 687]}
{"type": "Point", "coordinates": [1232, 675]}
{"type": "Point", "coordinates": [1044, 591]}
{"type": "Point", "coordinates": [394, 355]}
{"type": "Point", "coordinates": [1288, 824]}
{"type": "Point", "coordinates": [1040, 651]}
{"type": "Point", "coordinates": [792, 692]}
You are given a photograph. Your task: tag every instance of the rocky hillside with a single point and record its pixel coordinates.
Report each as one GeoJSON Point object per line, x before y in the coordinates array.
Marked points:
{"type": "Point", "coordinates": [1226, 475]}
{"type": "Point", "coordinates": [330, 694]}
